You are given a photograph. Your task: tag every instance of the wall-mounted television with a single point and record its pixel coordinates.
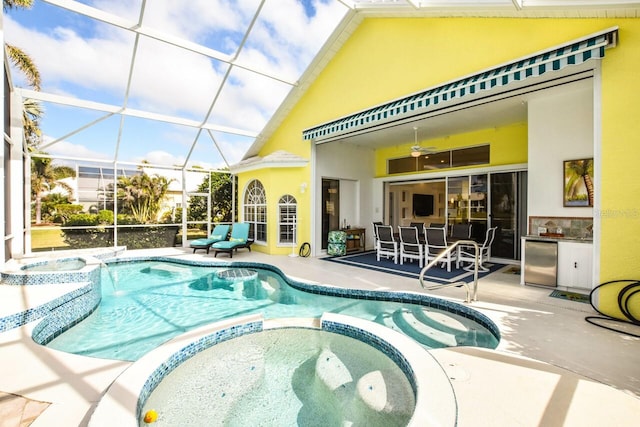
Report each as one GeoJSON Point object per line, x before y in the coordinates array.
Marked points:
{"type": "Point", "coordinates": [422, 204]}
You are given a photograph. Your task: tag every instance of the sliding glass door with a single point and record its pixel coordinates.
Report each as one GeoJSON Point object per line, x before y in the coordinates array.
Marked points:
{"type": "Point", "coordinates": [467, 203]}
{"type": "Point", "coordinates": [330, 208]}
{"type": "Point", "coordinates": [508, 213]}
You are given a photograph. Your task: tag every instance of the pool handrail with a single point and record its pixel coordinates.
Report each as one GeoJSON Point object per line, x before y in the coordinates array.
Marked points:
{"type": "Point", "coordinates": [432, 286]}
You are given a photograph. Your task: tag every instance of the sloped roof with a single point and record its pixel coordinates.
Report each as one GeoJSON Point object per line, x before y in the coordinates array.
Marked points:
{"type": "Point", "coordinates": [277, 159]}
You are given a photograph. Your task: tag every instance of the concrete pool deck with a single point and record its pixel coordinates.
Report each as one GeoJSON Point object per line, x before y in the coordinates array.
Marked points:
{"type": "Point", "coordinates": [550, 368]}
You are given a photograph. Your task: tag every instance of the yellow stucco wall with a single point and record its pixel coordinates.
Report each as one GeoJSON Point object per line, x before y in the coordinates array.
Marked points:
{"type": "Point", "coordinates": [508, 146]}
{"type": "Point", "coordinates": [620, 213]}
{"type": "Point", "coordinates": [278, 182]}
{"type": "Point", "coordinates": [390, 58]}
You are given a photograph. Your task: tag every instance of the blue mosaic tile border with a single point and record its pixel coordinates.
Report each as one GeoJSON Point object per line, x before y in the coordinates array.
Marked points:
{"type": "Point", "coordinates": [189, 351]}
{"type": "Point", "coordinates": [19, 319]}
{"type": "Point", "coordinates": [66, 309]}
{"type": "Point", "coordinates": [27, 267]}
{"type": "Point", "coordinates": [31, 278]}
{"type": "Point", "coordinates": [376, 342]}
{"type": "Point", "coordinates": [67, 314]}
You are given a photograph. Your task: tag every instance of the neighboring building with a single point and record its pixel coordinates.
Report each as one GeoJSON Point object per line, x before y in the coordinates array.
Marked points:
{"type": "Point", "coordinates": [350, 127]}
{"type": "Point", "coordinates": [94, 185]}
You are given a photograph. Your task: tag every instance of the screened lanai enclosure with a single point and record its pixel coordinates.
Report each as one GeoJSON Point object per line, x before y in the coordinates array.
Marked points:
{"type": "Point", "coordinates": [139, 110]}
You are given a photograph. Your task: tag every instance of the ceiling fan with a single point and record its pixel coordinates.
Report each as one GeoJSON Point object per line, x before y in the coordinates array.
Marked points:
{"type": "Point", "coordinates": [417, 150]}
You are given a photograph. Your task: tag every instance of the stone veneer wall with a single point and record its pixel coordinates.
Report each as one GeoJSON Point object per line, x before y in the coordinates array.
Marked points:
{"type": "Point", "coordinates": [578, 227]}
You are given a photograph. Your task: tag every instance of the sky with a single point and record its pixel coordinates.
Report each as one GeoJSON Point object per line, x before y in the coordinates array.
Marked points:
{"type": "Point", "coordinates": [83, 58]}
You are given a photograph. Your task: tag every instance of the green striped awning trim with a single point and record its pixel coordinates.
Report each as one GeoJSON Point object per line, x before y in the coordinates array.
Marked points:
{"type": "Point", "coordinates": [553, 60]}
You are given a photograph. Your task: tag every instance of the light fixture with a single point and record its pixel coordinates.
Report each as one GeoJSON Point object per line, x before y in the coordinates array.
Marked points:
{"type": "Point", "coordinates": [415, 150]}
{"type": "Point", "coordinates": [303, 187]}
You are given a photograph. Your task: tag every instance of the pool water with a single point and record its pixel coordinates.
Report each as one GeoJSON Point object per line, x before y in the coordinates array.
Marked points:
{"type": "Point", "coordinates": [146, 303]}
{"type": "Point", "coordinates": [285, 377]}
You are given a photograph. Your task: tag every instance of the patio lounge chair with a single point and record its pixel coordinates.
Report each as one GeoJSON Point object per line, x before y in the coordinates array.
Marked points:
{"type": "Point", "coordinates": [239, 239]}
{"type": "Point", "coordinates": [219, 233]}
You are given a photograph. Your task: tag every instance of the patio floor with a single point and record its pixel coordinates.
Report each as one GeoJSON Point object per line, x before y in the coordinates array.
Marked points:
{"type": "Point", "coordinates": [551, 367]}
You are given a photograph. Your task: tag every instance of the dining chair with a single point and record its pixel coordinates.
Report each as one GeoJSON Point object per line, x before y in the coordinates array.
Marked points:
{"type": "Point", "coordinates": [387, 246]}
{"type": "Point", "coordinates": [436, 239]}
{"type": "Point", "coordinates": [467, 254]}
{"type": "Point", "coordinates": [418, 225]}
{"type": "Point", "coordinates": [410, 246]}
{"type": "Point", "coordinates": [375, 225]}
{"type": "Point", "coordinates": [461, 231]}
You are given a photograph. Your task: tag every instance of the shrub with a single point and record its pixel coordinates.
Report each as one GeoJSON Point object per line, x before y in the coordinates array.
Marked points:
{"type": "Point", "coordinates": [105, 217]}
{"type": "Point", "coordinates": [81, 220]}
{"type": "Point", "coordinates": [101, 236]}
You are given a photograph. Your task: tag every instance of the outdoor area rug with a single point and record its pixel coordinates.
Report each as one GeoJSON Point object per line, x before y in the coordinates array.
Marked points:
{"type": "Point", "coordinates": [409, 269]}
{"type": "Point", "coordinates": [573, 296]}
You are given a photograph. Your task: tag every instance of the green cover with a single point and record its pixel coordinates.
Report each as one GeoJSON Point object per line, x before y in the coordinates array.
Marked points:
{"type": "Point", "coordinates": [218, 234]}
{"type": "Point", "coordinates": [239, 237]}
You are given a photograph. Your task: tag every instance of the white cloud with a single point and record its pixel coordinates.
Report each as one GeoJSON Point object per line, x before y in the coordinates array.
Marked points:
{"type": "Point", "coordinates": [68, 149]}
{"type": "Point", "coordinates": [161, 158]}
{"type": "Point", "coordinates": [63, 56]}
{"type": "Point", "coordinates": [91, 60]}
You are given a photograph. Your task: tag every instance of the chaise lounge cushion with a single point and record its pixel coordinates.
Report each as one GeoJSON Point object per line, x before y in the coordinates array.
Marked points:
{"type": "Point", "coordinates": [219, 233]}
{"type": "Point", "coordinates": [239, 239]}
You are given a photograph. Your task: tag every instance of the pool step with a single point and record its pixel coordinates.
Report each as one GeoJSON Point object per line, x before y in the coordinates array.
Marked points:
{"type": "Point", "coordinates": [422, 332]}
{"type": "Point", "coordinates": [439, 320]}
{"type": "Point", "coordinates": [387, 320]}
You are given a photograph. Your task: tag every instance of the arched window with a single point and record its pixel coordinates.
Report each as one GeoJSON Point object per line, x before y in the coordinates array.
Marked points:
{"type": "Point", "coordinates": [255, 211]}
{"type": "Point", "coordinates": [287, 219]}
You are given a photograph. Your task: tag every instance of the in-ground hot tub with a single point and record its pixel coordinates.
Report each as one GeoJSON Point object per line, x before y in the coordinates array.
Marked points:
{"type": "Point", "coordinates": [344, 370]}
{"type": "Point", "coordinates": [63, 264]}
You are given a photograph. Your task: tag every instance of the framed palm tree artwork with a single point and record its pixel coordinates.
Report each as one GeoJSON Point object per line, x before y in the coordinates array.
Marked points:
{"type": "Point", "coordinates": [578, 183]}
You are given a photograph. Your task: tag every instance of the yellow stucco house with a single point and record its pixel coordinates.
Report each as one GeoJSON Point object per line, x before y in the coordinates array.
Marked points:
{"type": "Point", "coordinates": [501, 102]}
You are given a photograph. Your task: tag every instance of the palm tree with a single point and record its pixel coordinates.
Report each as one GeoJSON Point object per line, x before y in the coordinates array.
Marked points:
{"type": "Point", "coordinates": [10, 4]}
{"type": "Point", "coordinates": [45, 177]}
{"type": "Point", "coordinates": [32, 110]}
{"type": "Point", "coordinates": [25, 64]}
{"type": "Point", "coordinates": [142, 195]}
{"type": "Point", "coordinates": [579, 172]}
{"type": "Point", "coordinates": [17, 56]}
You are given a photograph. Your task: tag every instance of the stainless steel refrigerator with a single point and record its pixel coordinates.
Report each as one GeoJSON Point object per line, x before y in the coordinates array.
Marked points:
{"type": "Point", "coordinates": [541, 263]}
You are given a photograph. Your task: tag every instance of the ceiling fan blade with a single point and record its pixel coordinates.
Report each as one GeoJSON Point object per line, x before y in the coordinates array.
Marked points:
{"type": "Point", "coordinates": [417, 148]}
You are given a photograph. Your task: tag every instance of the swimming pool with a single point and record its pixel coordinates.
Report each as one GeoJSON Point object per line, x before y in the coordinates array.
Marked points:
{"type": "Point", "coordinates": [145, 302]}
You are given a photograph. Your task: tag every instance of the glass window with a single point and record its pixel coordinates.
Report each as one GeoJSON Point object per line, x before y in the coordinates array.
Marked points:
{"type": "Point", "coordinates": [404, 164]}
{"type": "Point", "coordinates": [287, 218]}
{"type": "Point", "coordinates": [470, 156]}
{"type": "Point", "coordinates": [255, 211]}
{"type": "Point", "coordinates": [434, 161]}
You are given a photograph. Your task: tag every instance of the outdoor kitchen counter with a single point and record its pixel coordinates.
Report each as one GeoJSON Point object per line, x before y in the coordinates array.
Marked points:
{"type": "Point", "coordinates": [558, 239]}
{"type": "Point", "coordinates": [573, 261]}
